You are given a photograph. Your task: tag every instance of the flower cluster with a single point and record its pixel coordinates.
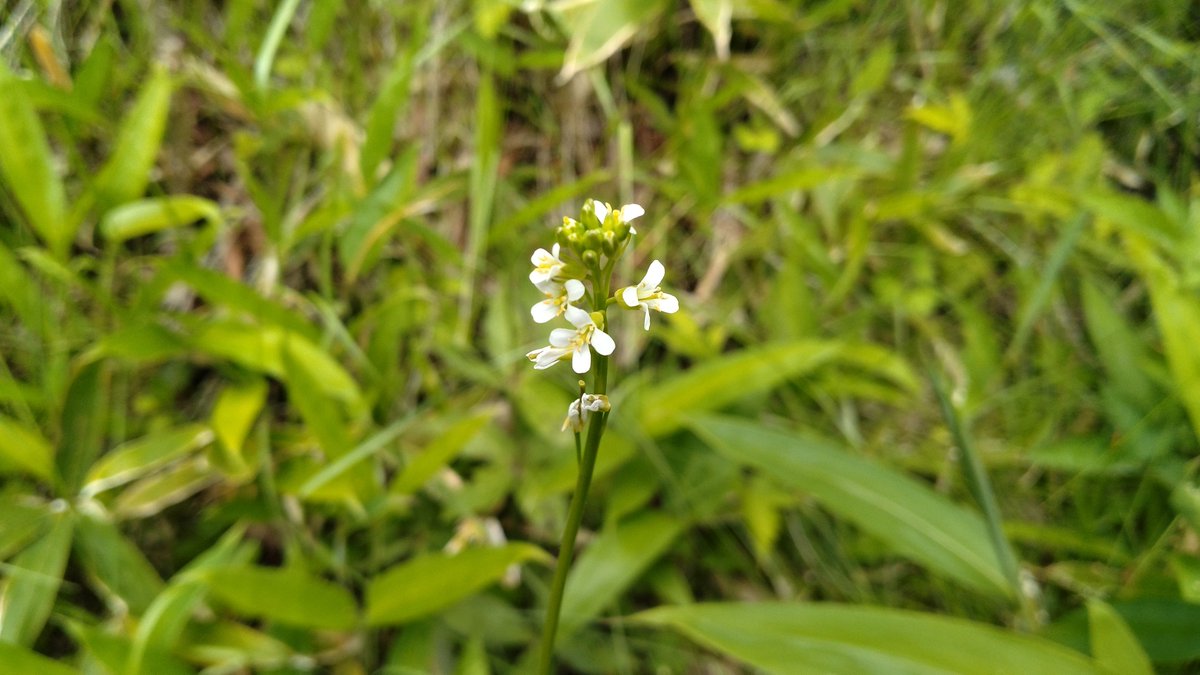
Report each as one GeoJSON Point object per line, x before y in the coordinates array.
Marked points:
{"type": "Point", "coordinates": [585, 252]}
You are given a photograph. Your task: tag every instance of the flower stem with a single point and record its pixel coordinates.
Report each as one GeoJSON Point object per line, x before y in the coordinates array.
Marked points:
{"type": "Point", "coordinates": [566, 548]}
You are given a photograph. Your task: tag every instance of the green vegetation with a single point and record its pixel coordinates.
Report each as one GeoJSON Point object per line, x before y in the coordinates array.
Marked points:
{"type": "Point", "coordinates": [931, 402]}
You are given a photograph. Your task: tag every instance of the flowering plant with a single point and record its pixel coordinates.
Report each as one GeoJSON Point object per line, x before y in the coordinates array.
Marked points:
{"type": "Point", "coordinates": [575, 277]}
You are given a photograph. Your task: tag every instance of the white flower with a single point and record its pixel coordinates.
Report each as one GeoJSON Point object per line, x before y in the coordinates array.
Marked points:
{"type": "Point", "coordinates": [546, 265]}
{"type": "Point", "coordinates": [576, 417]}
{"type": "Point", "coordinates": [565, 342]}
{"type": "Point", "coordinates": [647, 294]}
{"type": "Point", "coordinates": [558, 298]}
{"type": "Point", "coordinates": [626, 213]}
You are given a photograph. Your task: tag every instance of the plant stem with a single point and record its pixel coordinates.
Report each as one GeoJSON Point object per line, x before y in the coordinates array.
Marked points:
{"type": "Point", "coordinates": [566, 548]}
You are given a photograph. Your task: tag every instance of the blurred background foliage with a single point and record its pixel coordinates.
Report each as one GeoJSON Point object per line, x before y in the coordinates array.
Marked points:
{"type": "Point", "coordinates": [263, 399]}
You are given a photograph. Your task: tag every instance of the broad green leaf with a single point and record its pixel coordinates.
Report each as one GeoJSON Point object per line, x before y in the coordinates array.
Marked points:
{"type": "Point", "coordinates": [127, 172]}
{"type": "Point", "coordinates": [116, 564]}
{"type": "Point", "coordinates": [31, 584]}
{"type": "Point", "coordinates": [434, 581]}
{"type": "Point", "coordinates": [24, 450]}
{"type": "Point", "coordinates": [288, 596]}
{"type": "Point", "coordinates": [830, 638]}
{"type": "Point", "coordinates": [722, 381]}
{"type": "Point", "coordinates": [237, 407]}
{"type": "Point", "coordinates": [155, 214]}
{"type": "Point", "coordinates": [137, 344]}
{"type": "Point", "coordinates": [1165, 628]}
{"type": "Point", "coordinates": [15, 659]}
{"type": "Point", "coordinates": [1113, 644]}
{"type": "Point", "coordinates": [907, 515]}
{"type": "Point", "coordinates": [21, 519]}
{"type": "Point", "coordinates": [112, 652]}
{"type": "Point", "coordinates": [387, 205]}
{"type": "Point", "coordinates": [613, 562]}
{"type": "Point", "coordinates": [804, 178]}
{"type": "Point", "coordinates": [83, 422]}
{"type": "Point", "coordinates": [152, 494]}
{"type": "Point", "coordinates": [219, 289]}
{"type": "Point", "coordinates": [261, 349]}
{"type": "Point", "coordinates": [1120, 350]}
{"type": "Point", "coordinates": [229, 645]}
{"type": "Point", "coordinates": [1177, 314]}
{"type": "Point", "coordinates": [717, 17]}
{"type": "Point", "coordinates": [164, 621]}
{"type": "Point", "coordinates": [388, 106]}
{"type": "Point", "coordinates": [331, 471]}
{"type": "Point", "coordinates": [135, 459]}
{"type": "Point", "coordinates": [436, 454]}
{"type": "Point", "coordinates": [1134, 216]}
{"type": "Point", "coordinates": [27, 167]}
{"type": "Point", "coordinates": [598, 29]}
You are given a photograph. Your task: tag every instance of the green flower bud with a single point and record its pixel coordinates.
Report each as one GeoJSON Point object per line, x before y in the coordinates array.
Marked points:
{"type": "Point", "coordinates": [593, 240]}
{"type": "Point", "coordinates": [590, 258]}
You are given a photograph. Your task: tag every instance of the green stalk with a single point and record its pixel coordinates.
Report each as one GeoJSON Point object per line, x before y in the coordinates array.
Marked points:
{"type": "Point", "coordinates": [566, 548]}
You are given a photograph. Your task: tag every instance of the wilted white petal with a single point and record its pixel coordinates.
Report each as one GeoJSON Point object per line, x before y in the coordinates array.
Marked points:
{"type": "Point", "coordinates": [603, 342]}
{"type": "Point", "coordinates": [646, 324]}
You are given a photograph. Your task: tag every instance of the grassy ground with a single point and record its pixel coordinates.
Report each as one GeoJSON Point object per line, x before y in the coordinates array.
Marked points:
{"type": "Point", "coordinates": [264, 401]}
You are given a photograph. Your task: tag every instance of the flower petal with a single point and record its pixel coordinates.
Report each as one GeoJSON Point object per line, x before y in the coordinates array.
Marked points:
{"type": "Point", "coordinates": [600, 209]}
{"type": "Point", "coordinates": [544, 311]}
{"type": "Point", "coordinates": [578, 317]}
{"type": "Point", "coordinates": [667, 304]}
{"type": "Point", "coordinates": [574, 289]}
{"type": "Point", "coordinates": [561, 337]}
{"type": "Point", "coordinates": [539, 256]}
{"type": "Point", "coordinates": [551, 288]}
{"type": "Point", "coordinates": [554, 252]}
{"type": "Point", "coordinates": [646, 325]}
{"type": "Point", "coordinates": [629, 297]}
{"type": "Point", "coordinates": [603, 342]}
{"type": "Point", "coordinates": [654, 276]}
{"type": "Point", "coordinates": [581, 360]}
{"type": "Point", "coordinates": [631, 211]}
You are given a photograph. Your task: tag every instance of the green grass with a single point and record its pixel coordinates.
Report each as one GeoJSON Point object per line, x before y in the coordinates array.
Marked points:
{"type": "Point", "coordinates": [265, 309]}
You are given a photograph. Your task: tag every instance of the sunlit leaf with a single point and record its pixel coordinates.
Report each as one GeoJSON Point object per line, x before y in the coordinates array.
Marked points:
{"type": "Point", "coordinates": [1113, 644]}
{"type": "Point", "coordinates": [27, 167]}
{"type": "Point", "coordinates": [23, 450]}
{"type": "Point", "coordinates": [137, 458]}
{"type": "Point", "coordinates": [807, 638]}
{"type": "Point", "coordinates": [16, 659]}
{"type": "Point", "coordinates": [434, 581]}
{"type": "Point", "coordinates": [31, 582]}
{"type": "Point", "coordinates": [612, 562]}
{"type": "Point", "coordinates": [289, 596]}
{"type": "Point", "coordinates": [116, 563]}
{"type": "Point", "coordinates": [148, 216]}
{"type": "Point", "coordinates": [127, 172]}
{"type": "Point", "coordinates": [908, 516]}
